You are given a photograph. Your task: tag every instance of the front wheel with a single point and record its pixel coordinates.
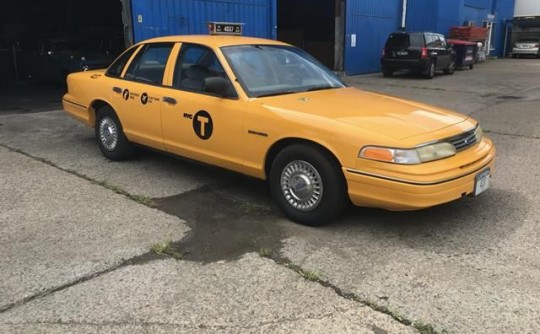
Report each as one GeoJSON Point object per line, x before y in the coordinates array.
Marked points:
{"type": "Point", "coordinates": [451, 68]}
{"type": "Point", "coordinates": [387, 73]}
{"type": "Point", "coordinates": [308, 185]}
{"type": "Point", "coordinates": [110, 136]}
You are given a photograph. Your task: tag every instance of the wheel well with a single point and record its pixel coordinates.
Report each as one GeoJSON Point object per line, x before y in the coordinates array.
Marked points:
{"type": "Point", "coordinates": [94, 107]}
{"type": "Point", "coordinates": [281, 144]}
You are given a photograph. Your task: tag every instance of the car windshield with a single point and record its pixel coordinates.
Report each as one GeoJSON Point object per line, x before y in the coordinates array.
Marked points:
{"type": "Point", "coordinates": [269, 70]}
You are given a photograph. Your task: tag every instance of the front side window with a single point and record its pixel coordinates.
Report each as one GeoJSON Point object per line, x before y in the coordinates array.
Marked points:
{"type": "Point", "coordinates": [195, 64]}
{"type": "Point", "coordinates": [442, 40]}
{"type": "Point", "coordinates": [432, 41]}
{"type": "Point", "coordinates": [266, 70]}
{"type": "Point", "coordinates": [148, 66]}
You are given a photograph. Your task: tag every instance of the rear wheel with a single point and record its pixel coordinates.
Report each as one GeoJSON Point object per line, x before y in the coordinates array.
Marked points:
{"type": "Point", "coordinates": [429, 72]}
{"type": "Point", "coordinates": [110, 136]}
{"type": "Point", "coordinates": [308, 185]}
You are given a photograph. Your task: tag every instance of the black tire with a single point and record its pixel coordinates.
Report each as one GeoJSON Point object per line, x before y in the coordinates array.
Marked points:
{"type": "Point", "coordinates": [387, 73]}
{"type": "Point", "coordinates": [110, 136]}
{"type": "Point", "coordinates": [514, 56]}
{"type": "Point", "coordinates": [471, 67]}
{"type": "Point", "coordinates": [429, 72]}
{"type": "Point", "coordinates": [321, 192]}
{"type": "Point", "coordinates": [451, 68]}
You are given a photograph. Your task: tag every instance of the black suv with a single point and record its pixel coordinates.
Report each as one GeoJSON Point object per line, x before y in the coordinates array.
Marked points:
{"type": "Point", "coordinates": [424, 52]}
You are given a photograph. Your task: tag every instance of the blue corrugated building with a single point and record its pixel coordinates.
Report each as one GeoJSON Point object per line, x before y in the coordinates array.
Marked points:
{"type": "Point", "coordinates": [346, 35]}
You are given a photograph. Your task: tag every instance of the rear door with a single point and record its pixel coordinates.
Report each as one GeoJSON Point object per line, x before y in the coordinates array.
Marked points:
{"type": "Point", "coordinates": [138, 96]}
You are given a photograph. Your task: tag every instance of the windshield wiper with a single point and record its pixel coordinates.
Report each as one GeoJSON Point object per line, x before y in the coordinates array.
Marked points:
{"type": "Point", "coordinates": [320, 88]}
{"type": "Point", "coordinates": [279, 93]}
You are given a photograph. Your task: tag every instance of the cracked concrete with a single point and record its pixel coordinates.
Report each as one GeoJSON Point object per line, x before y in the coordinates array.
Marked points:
{"type": "Point", "coordinates": [466, 267]}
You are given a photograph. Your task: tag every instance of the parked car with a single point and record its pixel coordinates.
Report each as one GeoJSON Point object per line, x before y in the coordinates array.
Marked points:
{"type": "Point", "coordinates": [271, 111]}
{"type": "Point", "coordinates": [52, 59]}
{"type": "Point", "coordinates": [526, 47]}
{"type": "Point", "coordinates": [423, 52]}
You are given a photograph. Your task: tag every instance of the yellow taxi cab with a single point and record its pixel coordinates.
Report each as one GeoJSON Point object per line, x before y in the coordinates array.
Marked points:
{"type": "Point", "coordinates": [271, 111]}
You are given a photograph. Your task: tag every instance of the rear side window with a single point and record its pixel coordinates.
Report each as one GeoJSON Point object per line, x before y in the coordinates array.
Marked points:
{"type": "Point", "coordinates": [115, 70]}
{"type": "Point", "coordinates": [149, 64]}
{"type": "Point", "coordinates": [417, 40]}
{"type": "Point", "coordinates": [398, 41]}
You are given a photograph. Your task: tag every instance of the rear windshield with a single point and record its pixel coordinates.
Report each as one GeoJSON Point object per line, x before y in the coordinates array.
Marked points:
{"type": "Point", "coordinates": [398, 41]}
{"type": "Point", "coordinates": [528, 40]}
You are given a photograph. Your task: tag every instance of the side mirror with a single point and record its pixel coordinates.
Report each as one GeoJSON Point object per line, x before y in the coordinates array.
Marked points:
{"type": "Point", "coordinates": [216, 85]}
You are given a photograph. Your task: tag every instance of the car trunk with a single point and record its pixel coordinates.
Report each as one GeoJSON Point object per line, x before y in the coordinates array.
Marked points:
{"type": "Point", "coordinates": [402, 47]}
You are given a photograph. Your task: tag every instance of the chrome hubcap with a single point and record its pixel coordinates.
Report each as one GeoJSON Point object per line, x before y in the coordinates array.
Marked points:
{"type": "Point", "coordinates": [108, 133]}
{"type": "Point", "coordinates": [301, 185]}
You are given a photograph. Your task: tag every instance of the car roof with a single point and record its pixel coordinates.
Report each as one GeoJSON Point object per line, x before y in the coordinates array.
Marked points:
{"type": "Point", "coordinates": [213, 40]}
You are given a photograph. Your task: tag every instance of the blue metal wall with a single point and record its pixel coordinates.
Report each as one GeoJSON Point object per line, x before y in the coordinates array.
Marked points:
{"type": "Point", "coordinates": [371, 21]}
{"type": "Point", "coordinates": [153, 18]}
{"type": "Point", "coordinates": [418, 18]}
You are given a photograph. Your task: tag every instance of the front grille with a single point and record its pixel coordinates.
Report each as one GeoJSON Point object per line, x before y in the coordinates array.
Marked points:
{"type": "Point", "coordinates": [464, 140]}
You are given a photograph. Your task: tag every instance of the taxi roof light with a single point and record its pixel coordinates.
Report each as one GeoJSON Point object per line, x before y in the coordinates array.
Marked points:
{"type": "Point", "coordinates": [225, 28]}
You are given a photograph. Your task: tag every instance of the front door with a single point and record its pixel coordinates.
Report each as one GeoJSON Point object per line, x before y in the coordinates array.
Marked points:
{"type": "Point", "coordinates": [197, 124]}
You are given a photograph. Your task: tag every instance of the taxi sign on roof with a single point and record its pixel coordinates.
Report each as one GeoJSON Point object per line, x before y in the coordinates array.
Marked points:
{"type": "Point", "coordinates": [225, 28]}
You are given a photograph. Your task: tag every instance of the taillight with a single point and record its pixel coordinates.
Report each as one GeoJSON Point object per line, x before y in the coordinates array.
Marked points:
{"type": "Point", "coordinates": [424, 53]}
{"type": "Point", "coordinates": [537, 45]}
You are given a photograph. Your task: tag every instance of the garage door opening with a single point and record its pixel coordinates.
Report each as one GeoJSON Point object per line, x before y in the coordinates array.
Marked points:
{"type": "Point", "coordinates": [30, 28]}
{"type": "Point", "coordinates": [315, 26]}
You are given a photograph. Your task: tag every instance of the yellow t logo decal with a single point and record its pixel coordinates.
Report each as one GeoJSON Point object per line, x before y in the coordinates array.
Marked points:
{"type": "Point", "coordinates": [203, 120]}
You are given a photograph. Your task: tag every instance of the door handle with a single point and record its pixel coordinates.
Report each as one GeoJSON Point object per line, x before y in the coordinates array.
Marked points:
{"type": "Point", "coordinates": [169, 100]}
{"type": "Point", "coordinates": [117, 89]}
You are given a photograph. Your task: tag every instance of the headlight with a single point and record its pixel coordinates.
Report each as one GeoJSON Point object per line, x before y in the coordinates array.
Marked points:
{"type": "Point", "coordinates": [479, 134]}
{"type": "Point", "coordinates": [409, 156]}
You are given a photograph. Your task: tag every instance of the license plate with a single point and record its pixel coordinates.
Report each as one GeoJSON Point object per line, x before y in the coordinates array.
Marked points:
{"type": "Point", "coordinates": [402, 53]}
{"type": "Point", "coordinates": [481, 182]}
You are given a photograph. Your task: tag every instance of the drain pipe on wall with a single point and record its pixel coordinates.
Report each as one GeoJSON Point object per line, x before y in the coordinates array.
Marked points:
{"type": "Point", "coordinates": [403, 15]}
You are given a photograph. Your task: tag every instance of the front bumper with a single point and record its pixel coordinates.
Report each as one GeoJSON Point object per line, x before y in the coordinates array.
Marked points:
{"type": "Point", "coordinates": [370, 190]}
{"type": "Point", "coordinates": [520, 51]}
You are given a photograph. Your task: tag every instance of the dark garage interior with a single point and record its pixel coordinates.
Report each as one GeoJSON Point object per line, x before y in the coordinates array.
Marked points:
{"type": "Point", "coordinates": [28, 26]}
{"type": "Point", "coordinates": [310, 25]}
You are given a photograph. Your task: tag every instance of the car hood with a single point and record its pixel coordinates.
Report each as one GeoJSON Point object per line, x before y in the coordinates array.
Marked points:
{"type": "Point", "coordinates": [390, 116]}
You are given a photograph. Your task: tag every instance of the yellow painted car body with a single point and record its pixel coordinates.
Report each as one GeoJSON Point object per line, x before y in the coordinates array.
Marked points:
{"type": "Point", "coordinates": [248, 132]}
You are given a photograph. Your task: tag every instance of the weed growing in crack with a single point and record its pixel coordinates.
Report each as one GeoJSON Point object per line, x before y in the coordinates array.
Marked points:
{"type": "Point", "coordinates": [265, 252]}
{"type": "Point", "coordinates": [137, 198]}
{"type": "Point", "coordinates": [311, 275]}
{"type": "Point", "coordinates": [165, 248]}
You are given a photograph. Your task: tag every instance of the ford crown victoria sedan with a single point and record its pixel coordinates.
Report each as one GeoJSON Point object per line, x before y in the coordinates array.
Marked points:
{"type": "Point", "coordinates": [269, 110]}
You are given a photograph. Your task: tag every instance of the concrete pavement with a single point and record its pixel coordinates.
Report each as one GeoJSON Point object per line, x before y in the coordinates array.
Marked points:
{"type": "Point", "coordinates": [470, 266]}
